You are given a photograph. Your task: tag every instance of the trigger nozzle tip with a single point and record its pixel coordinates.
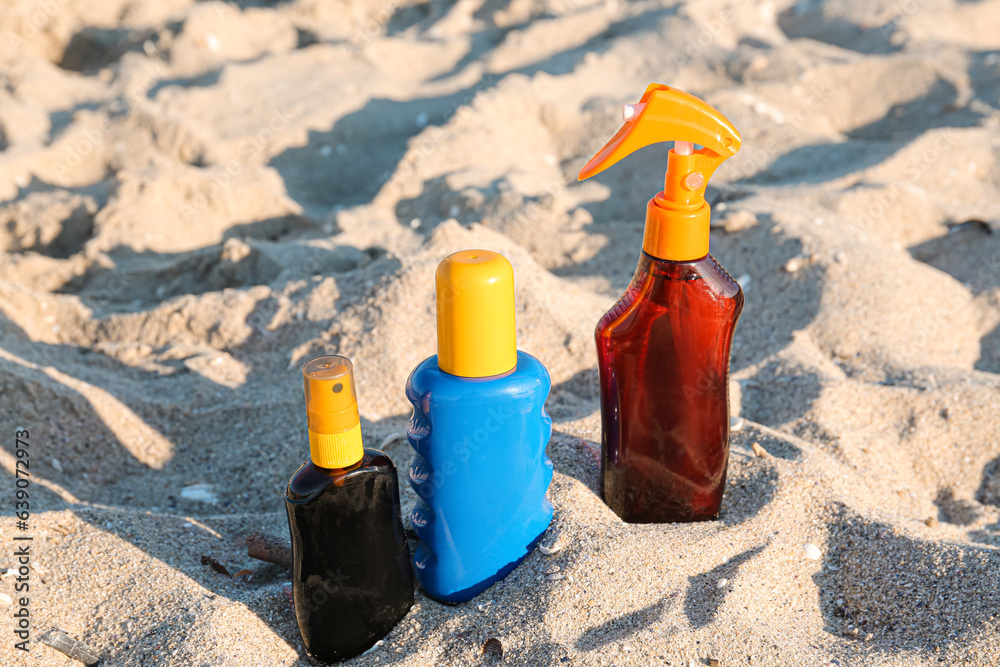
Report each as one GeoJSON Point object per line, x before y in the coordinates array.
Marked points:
{"type": "Point", "coordinates": [683, 147]}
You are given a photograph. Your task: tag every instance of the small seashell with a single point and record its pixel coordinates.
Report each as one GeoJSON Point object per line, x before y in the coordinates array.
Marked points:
{"type": "Point", "coordinates": [6, 599]}
{"type": "Point", "coordinates": [765, 109]}
{"type": "Point", "coordinates": [548, 551]}
{"type": "Point", "coordinates": [811, 551]}
{"type": "Point", "coordinates": [202, 493]}
{"type": "Point", "coordinates": [556, 576]}
{"type": "Point", "coordinates": [794, 264]}
{"type": "Point", "coordinates": [736, 424]}
{"type": "Point", "coordinates": [737, 221]}
{"type": "Point", "coordinates": [759, 451]}
{"type": "Point", "coordinates": [493, 647]}
{"type": "Point", "coordinates": [481, 607]}
{"type": "Point", "coordinates": [389, 439]}
{"type": "Point", "coordinates": [722, 583]}
{"type": "Point", "coordinates": [374, 648]}
{"type": "Point", "coordinates": [553, 569]}
{"type": "Point", "coordinates": [57, 465]}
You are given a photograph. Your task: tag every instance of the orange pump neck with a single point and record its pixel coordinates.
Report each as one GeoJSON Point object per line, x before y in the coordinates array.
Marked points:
{"type": "Point", "coordinates": [678, 217]}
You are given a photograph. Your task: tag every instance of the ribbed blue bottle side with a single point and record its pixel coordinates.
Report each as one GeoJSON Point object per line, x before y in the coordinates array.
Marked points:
{"type": "Point", "coordinates": [481, 474]}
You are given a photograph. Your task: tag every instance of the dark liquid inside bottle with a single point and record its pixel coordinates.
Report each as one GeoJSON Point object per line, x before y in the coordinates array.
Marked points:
{"type": "Point", "coordinates": [664, 354]}
{"type": "Point", "coordinates": [351, 581]}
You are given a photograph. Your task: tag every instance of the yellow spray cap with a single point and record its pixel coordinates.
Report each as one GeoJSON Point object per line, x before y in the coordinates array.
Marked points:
{"type": "Point", "coordinates": [475, 314]}
{"type": "Point", "coordinates": [677, 219]}
{"type": "Point", "coordinates": [332, 412]}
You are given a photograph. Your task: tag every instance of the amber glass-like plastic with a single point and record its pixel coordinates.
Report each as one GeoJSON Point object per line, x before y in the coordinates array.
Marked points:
{"type": "Point", "coordinates": [664, 353]}
{"type": "Point", "coordinates": [351, 576]}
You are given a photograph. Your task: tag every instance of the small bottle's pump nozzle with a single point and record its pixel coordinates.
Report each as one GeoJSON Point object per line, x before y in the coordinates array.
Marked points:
{"type": "Point", "coordinates": [677, 219]}
{"type": "Point", "coordinates": [332, 412]}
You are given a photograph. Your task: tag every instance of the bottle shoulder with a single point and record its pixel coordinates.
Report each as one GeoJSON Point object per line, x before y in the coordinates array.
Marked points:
{"type": "Point", "coordinates": [310, 480]}
{"type": "Point", "coordinates": [705, 274]}
{"type": "Point", "coordinates": [428, 379]}
{"type": "Point", "coordinates": [700, 288]}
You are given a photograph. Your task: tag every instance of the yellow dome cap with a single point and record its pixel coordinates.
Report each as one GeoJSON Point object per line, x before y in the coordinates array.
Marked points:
{"type": "Point", "coordinates": [332, 412]}
{"type": "Point", "coordinates": [475, 314]}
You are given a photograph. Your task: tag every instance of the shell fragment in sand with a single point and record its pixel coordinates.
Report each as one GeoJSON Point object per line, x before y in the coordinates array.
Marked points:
{"type": "Point", "coordinates": [735, 221]}
{"type": "Point", "coordinates": [549, 550]}
{"type": "Point", "coordinates": [200, 492]}
{"type": "Point", "coordinates": [492, 648]}
{"type": "Point", "coordinates": [811, 551]}
{"type": "Point", "coordinates": [794, 264]}
{"type": "Point", "coordinates": [389, 439]}
{"type": "Point", "coordinates": [375, 647]}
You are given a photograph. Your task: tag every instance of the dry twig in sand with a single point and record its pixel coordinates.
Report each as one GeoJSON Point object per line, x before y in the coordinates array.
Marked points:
{"type": "Point", "coordinates": [70, 647]}
{"type": "Point", "coordinates": [270, 549]}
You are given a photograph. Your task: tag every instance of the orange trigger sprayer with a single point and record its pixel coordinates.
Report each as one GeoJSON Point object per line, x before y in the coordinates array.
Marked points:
{"type": "Point", "coordinates": [677, 219]}
{"type": "Point", "coordinates": [664, 348]}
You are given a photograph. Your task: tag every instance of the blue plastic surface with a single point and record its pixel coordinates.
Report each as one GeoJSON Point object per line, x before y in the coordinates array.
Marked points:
{"type": "Point", "coordinates": [481, 474]}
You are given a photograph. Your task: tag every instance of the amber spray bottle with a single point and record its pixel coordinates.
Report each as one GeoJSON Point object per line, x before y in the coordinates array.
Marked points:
{"type": "Point", "coordinates": [664, 348]}
{"type": "Point", "coordinates": [351, 577]}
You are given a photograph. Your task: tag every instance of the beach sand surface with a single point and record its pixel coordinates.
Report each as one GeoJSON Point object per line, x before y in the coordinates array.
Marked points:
{"type": "Point", "coordinates": [198, 197]}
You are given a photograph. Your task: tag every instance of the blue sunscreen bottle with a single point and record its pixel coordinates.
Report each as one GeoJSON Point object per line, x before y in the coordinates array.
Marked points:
{"type": "Point", "coordinates": [479, 428]}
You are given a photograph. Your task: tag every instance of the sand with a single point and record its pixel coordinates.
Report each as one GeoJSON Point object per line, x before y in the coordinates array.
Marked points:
{"type": "Point", "coordinates": [197, 197]}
